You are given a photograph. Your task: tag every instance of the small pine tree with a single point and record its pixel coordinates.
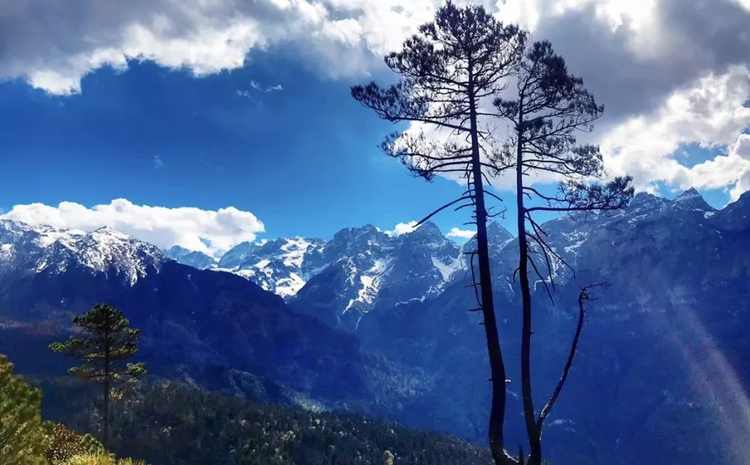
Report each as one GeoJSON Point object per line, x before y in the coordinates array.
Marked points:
{"type": "Point", "coordinates": [22, 437]}
{"type": "Point", "coordinates": [106, 343]}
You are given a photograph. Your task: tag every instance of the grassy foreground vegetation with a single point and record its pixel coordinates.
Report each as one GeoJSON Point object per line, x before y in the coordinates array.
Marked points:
{"type": "Point", "coordinates": [25, 439]}
{"type": "Point", "coordinates": [99, 459]}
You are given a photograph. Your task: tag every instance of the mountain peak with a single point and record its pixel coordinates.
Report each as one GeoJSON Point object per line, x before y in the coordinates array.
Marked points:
{"type": "Point", "coordinates": [109, 232]}
{"type": "Point", "coordinates": [688, 194]}
{"type": "Point", "coordinates": [53, 250]}
{"type": "Point", "coordinates": [736, 215]}
{"type": "Point", "coordinates": [642, 198]}
{"type": "Point", "coordinates": [366, 232]}
{"type": "Point", "coordinates": [189, 257]}
{"type": "Point", "coordinates": [693, 200]}
{"type": "Point", "coordinates": [497, 233]}
{"type": "Point", "coordinates": [744, 197]}
{"type": "Point", "coordinates": [428, 229]}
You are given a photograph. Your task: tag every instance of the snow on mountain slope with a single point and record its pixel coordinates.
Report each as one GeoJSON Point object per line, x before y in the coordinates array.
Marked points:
{"type": "Point", "coordinates": [281, 266]}
{"type": "Point", "coordinates": [25, 248]}
{"type": "Point", "coordinates": [369, 270]}
{"type": "Point", "coordinates": [368, 259]}
{"type": "Point", "coordinates": [191, 257]}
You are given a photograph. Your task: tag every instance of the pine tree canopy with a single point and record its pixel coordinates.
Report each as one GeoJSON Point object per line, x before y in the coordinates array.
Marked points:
{"type": "Point", "coordinates": [105, 342]}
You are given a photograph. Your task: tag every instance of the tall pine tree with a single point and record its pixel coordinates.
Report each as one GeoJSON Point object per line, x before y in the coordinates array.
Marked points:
{"type": "Point", "coordinates": [548, 109]}
{"type": "Point", "coordinates": [105, 343]}
{"type": "Point", "coordinates": [447, 71]}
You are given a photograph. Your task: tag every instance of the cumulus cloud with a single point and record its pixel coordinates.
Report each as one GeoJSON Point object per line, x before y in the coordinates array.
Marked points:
{"type": "Point", "coordinates": [641, 58]}
{"type": "Point", "coordinates": [654, 45]}
{"type": "Point", "coordinates": [711, 113]}
{"type": "Point", "coordinates": [208, 231]}
{"type": "Point", "coordinates": [740, 152]}
{"type": "Point", "coordinates": [402, 228]}
{"type": "Point", "coordinates": [669, 73]}
{"type": "Point", "coordinates": [52, 44]}
{"type": "Point", "coordinates": [459, 233]}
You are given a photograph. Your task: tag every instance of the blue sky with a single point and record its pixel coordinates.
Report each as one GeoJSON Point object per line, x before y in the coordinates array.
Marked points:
{"type": "Point", "coordinates": [303, 159]}
{"type": "Point", "coordinates": [247, 105]}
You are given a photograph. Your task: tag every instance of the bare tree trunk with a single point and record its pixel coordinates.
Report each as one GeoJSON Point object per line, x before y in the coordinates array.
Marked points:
{"type": "Point", "coordinates": [497, 366]}
{"type": "Point", "coordinates": [105, 434]}
{"type": "Point", "coordinates": [107, 388]}
{"type": "Point", "coordinates": [532, 431]}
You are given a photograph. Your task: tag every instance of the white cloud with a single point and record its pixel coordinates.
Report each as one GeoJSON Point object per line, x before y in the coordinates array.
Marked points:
{"type": "Point", "coordinates": [711, 113]}
{"type": "Point", "coordinates": [402, 228]}
{"type": "Point", "coordinates": [258, 87]}
{"type": "Point", "coordinates": [673, 86]}
{"type": "Point", "coordinates": [459, 233]}
{"type": "Point", "coordinates": [741, 150]}
{"type": "Point", "coordinates": [636, 14]}
{"type": "Point", "coordinates": [208, 231]}
{"type": "Point", "coordinates": [53, 45]}
{"type": "Point", "coordinates": [669, 72]}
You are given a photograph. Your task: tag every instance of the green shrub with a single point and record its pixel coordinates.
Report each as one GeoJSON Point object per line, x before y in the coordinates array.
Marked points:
{"type": "Point", "coordinates": [64, 444]}
{"type": "Point", "coordinates": [99, 459]}
{"type": "Point", "coordinates": [22, 436]}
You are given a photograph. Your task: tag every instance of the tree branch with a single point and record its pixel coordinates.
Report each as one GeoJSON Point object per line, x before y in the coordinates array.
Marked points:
{"type": "Point", "coordinates": [583, 297]}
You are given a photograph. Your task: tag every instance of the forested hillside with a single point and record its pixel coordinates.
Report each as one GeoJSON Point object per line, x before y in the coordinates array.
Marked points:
{"type": "Point", "coordinates": [168, 423]}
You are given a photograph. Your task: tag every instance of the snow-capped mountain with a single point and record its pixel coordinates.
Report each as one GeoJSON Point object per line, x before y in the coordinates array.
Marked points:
{"type": "Point", "coordinates": [281, 266]}
{"type": "Point", "coordinates": [364, 269]}
{"type": "Point", "coordinates": [674, 315]}
{"type": "Point", "coordinates": [692, 199]}
{"type": "Point", "coordinates": [192, 258]}
{"type": "Point", "coordinates": [342, 279]}
{"type": "Point", "coordinates": [361, 269]}
{"type": "Point", "coordinates": [207, 326]}
{"type": "Point", "coordinates": [43, 249]}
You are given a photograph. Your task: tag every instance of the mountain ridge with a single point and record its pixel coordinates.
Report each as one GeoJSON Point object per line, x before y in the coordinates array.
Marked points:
{"type": "Point", "coordinates": [673, 316]}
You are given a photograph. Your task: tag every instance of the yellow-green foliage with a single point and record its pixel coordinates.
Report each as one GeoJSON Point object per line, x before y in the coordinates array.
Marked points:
{"type": "Point", "coordinates": [66, 447]}
{"type": "Point", "coordinates": [63, 444]}
{"type": "Point", "coordinates": [99, 459]}
{"type": "Point", "coordinates": [22, 436]}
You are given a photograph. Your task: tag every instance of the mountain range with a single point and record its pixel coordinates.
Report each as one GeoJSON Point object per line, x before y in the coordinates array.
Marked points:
{"type": "Point", "coordinates": [216, 329]}
{"type": "Point", "coordinates": [341, 280]}
{"type": "Point", "coordinates": [379, 323]}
